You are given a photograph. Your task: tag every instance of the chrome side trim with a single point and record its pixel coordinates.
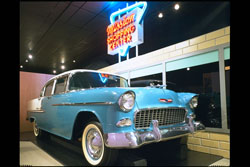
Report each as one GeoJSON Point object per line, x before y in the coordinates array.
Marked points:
{"type": "Point", "coordinates": [35, 111]}
{"type": "Point", "coordinates": [83, 104]}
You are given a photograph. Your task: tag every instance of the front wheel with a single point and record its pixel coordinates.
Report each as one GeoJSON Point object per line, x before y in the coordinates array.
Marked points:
{"type": "Point", "coordinates": [94, 149]}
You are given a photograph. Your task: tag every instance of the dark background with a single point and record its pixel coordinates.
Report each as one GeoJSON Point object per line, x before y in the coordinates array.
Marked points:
{"type": "Point", "coordinates": [56, 33]}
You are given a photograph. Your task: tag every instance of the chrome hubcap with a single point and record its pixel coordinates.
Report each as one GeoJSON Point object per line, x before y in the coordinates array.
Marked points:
{"type": "Point", "coordinates": [94, 144]}
{"type": "Point", "coordinates": [36, 130]}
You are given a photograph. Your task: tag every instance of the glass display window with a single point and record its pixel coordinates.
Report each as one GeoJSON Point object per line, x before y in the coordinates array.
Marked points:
{"type": "Point", "coordinates": [203, 80]}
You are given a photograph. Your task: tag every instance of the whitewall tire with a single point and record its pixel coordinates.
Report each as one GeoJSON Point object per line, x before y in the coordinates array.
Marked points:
{"type": "Point", "coordinates": [94, 149]}
{"type": "Point", "coordinates": [40, 133]}
{"type": "Point", "coordinates": [36, 130]}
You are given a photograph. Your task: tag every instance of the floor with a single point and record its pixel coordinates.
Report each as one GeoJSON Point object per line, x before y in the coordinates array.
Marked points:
{"type": "Point", "coordinates": [60, 152]}
{"type": "Point", "coordinates": [30, 153]}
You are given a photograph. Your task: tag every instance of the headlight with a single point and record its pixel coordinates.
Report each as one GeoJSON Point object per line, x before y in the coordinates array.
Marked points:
{"type": "Point", "coordinates": [127, 101]}
{"type": "Point", "coordinates": [193, 103]}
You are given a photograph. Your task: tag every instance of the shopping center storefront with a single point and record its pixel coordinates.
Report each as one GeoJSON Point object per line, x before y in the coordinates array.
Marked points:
{"type": "Point", "coordinates": [200, 65]}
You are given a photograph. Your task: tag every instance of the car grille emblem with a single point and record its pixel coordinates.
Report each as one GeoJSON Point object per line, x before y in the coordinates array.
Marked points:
{"type": "Point", "coordinates": [166, 100]}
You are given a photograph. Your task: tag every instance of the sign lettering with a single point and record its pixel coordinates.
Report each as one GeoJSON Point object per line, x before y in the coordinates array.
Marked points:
{"type": "Point", "coordinates": [127, 31]}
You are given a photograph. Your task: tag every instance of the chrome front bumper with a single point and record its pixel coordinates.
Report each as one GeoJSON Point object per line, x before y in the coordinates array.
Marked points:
{"type": "Point", "coordinates": [137, 139]}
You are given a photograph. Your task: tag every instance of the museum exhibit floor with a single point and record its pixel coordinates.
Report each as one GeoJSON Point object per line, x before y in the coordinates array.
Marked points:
{"type": "Point", "coordinates": [59, 152]}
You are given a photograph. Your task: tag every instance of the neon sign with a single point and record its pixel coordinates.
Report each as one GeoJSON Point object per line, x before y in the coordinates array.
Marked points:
{"type": "Point", "coordinates": [127, 31]}
{"type": "Point", "coordinates": [103, 77]}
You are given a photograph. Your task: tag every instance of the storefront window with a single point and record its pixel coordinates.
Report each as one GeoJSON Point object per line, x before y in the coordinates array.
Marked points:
{"type": "Point", "coordinates": [203, 80]}
{"type": "Point", "coordinates": [227, 75]}
{"type": "Point", "coordinates": [227, 79]}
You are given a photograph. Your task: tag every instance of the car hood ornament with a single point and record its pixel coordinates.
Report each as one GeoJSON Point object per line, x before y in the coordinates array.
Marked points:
{"type": "Point", "coordinates": [166, 100]}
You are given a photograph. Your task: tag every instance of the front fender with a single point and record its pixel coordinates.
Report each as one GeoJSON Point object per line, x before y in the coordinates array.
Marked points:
{"type": "Point", "coordinates": [186, 97]}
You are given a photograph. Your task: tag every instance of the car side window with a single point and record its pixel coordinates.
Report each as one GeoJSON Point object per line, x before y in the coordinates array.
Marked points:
{"type": "Point", "coordinates": [48, 89]}
{"type": "Point", "coordinates": [79, 81]}
{"type": "Point", "coordinates": [60, 85]}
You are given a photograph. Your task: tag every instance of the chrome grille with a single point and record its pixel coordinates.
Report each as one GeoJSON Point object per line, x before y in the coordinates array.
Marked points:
{"type": "Point", "coordinates": [165, 116]}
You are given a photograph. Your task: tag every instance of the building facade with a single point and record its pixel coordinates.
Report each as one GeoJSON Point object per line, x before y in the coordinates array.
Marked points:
{"type": "Point", "coordinates": [200, 65]}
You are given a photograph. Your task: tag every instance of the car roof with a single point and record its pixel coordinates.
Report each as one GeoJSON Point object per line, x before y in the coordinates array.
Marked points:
{"type": "Point", "coordinates": [79, 70]}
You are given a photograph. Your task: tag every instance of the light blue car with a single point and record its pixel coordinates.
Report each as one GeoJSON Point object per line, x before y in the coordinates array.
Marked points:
{"type": "Point", "coordinates": [105, 114]}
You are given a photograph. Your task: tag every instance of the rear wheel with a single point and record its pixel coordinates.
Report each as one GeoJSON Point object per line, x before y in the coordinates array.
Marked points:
{"type": "Point", "coordinates": [36, 130]}
{"type": "Point", "coordinates": [94, 149]}
{"type": "Point", "coordinates": [39, 133]}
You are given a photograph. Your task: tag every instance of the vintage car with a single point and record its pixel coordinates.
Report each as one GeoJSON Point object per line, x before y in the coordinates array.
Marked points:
{"type": "Point", "coordinates": [105, 114]}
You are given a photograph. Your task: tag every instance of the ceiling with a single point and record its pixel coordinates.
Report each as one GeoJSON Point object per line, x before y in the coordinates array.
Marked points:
{"type": "Point", "coordinates": [73, 34]}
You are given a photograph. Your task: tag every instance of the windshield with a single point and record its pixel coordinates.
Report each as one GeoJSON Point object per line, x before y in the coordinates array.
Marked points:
{"type": "Point", "coordinates": [85, 80]}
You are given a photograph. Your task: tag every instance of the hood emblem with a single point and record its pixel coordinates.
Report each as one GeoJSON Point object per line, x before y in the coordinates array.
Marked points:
{"type": "Point", "coordinates": [166, 100]}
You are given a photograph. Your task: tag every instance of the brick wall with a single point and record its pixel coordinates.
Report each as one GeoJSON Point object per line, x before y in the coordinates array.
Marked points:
{"type": "Point", "coordinates": [210, 142]}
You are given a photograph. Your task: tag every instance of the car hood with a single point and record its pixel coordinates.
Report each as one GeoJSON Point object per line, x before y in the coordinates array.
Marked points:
{"type": "Point", "coordinates": [150, 98]}
{"type": "Point", "coordinates": [146, 97]}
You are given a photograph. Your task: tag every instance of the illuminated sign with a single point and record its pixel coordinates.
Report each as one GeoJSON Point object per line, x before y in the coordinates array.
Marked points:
{"type": "Point", "coordinates": [127, 31]}
{"type": "Point", "coordinates": [103, 77]}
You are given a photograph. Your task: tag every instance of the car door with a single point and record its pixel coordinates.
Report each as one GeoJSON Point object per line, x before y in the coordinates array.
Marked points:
{"type": "Point", "coordinates": [45, 119]}
{"type": "Point", "coordinates": [57, 100]}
